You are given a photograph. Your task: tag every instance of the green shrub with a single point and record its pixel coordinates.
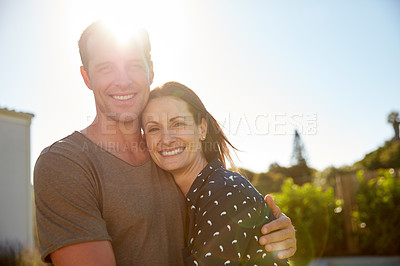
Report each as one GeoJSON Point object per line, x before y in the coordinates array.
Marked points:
{"type": "Point", "coordinates": [312, 212]}
{"type": "Point", "coordinates": [378, 215]}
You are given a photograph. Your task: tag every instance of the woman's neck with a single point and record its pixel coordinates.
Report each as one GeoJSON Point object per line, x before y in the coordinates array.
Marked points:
{"type": "Point", "coordinates": [185, 178]}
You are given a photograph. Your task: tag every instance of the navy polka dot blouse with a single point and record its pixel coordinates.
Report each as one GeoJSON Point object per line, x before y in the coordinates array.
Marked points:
{"type": "Point", "coordinates": [226, 216]}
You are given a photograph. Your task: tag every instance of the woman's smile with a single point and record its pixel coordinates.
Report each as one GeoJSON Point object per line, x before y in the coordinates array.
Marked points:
{"type": "Point", "coordinates": [171, 152]}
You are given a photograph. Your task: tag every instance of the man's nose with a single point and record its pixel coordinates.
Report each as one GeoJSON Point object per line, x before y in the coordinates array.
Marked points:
{"type": "Point", "coordinates": [123, 78]}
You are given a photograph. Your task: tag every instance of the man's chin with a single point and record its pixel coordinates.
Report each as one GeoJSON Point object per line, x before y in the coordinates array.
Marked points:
{"type": "Point", "coordinates": [124, 117]}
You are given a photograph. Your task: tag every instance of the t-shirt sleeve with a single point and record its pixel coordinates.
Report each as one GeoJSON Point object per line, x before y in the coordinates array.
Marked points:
{"type": "Point", "coordinates": [228, 230]}
{"type": "Point", "coordinates": [67, 204]}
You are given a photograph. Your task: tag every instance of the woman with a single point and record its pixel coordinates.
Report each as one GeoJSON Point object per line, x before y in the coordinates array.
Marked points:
{"type": "Point", "coordinates": [226, 211]}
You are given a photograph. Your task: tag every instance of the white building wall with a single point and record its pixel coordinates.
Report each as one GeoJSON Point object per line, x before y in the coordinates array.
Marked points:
{"type": "Point", "coordinates": [16, 221]}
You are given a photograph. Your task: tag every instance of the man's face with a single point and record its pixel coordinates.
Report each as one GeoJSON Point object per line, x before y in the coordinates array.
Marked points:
{"type": "Point", "coordinates": [119, 77]}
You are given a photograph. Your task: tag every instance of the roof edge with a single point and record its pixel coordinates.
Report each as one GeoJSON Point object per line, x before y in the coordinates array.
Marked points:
{"type": "Point", "coordinates": [14, 113]}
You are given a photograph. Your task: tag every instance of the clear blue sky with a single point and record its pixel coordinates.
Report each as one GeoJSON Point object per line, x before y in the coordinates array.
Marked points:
{"type": "Point", "coordinates": [263, 68]}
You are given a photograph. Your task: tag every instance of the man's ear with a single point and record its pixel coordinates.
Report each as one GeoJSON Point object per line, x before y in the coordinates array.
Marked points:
{"type": "Point", "coordinates": [85, 77]}
{"type": "Point", "coordinates": [151, 74]}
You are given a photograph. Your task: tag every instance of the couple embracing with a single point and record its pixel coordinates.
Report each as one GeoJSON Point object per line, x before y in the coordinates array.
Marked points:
{"type": "Point", "coordinates": [160, 195]}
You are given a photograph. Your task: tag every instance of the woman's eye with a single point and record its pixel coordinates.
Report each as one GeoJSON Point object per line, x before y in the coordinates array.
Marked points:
{"type": "Point", "coordinates": [152, 130]}
{"type": "Point", "coordinates": [179, 124]}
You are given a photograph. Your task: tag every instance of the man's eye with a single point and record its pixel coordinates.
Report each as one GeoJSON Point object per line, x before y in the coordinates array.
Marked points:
{"type": "Point", "coordinates": [105, 69]}
{"type": "Point", "coordinates": [135, 66]}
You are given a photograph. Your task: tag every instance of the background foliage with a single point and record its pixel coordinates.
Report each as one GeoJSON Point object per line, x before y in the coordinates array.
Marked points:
{"type": "Point", "coordinates": [319, 218]}
{"type": "Point", "coordinates": [378, 214]}
{"type": "Point", "coordinates": [387, 156]}
{"type": "Point", "coordinates": [312, 211]}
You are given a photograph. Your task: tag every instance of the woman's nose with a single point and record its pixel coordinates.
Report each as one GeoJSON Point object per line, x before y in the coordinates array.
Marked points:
{"type": "Point", "coordinates": [167, 136]}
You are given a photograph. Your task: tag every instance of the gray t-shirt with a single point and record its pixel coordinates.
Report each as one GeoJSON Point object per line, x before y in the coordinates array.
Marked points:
{"type": "Point", "coordinates": [84, 193]}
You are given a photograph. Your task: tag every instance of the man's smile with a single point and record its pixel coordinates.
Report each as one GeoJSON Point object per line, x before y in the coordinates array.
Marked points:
{"type": "Point", "coordinates": [123, 97]}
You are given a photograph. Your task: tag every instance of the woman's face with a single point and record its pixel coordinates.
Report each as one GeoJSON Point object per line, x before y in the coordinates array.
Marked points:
{"type": "Point", "coordinates": [172, 136]}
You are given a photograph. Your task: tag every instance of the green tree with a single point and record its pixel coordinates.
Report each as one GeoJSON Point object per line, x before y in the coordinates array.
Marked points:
{"type": "Point", "coordinates": [394, 119]}
{"type": "Point", "coordinates": [387, 156]}
{"type": "Point", "coordinates": [390, 155]}
{"type": "Point", "coordinates": [298, 153]}
{"type": "Point", "coordinates": [299, 171]}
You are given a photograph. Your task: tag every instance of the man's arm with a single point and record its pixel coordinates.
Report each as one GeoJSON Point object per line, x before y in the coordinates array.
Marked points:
{"type": "Point", "coordinates": [87, 253]}
{"type": "Point", "coordinates": [67, 209]}
{"type": "Point", "coordinates": [278, 235]}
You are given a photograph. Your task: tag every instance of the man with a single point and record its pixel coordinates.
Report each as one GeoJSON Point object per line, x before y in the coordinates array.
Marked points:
{"type": "Point", "coordinates": [100, 199]}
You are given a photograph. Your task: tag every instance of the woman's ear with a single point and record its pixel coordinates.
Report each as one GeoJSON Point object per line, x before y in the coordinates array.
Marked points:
{"type": "Point", "coordinates": [203, 129]}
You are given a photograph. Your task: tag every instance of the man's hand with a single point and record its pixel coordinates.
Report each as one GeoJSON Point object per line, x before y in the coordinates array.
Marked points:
{"type": "Point", "coordinates": [278, 235]}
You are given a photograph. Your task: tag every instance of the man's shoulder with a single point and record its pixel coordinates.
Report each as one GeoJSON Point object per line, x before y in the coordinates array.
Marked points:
{"type": "Point", "coordinates": [63, 162]}
{"type": "Point", "coordinates": [72, 148]}
{"type": "Point", "coordinates": [71, 142]}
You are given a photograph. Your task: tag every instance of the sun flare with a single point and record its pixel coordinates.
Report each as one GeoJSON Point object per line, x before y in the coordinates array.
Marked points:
{"type": "Point", "coordinates": [124, 30]}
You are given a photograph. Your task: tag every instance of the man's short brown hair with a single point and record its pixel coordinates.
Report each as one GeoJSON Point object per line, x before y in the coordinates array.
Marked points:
{"type": "Point", "coordinates": [99, 29]}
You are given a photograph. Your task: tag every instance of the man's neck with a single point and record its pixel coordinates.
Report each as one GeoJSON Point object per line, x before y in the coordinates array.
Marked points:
{"type": "Point", "coordinates": [122, 139]}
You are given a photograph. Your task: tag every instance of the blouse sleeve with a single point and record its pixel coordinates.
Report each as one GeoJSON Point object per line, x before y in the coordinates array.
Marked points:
{"type": "Point", "coordinates": [228, 229]}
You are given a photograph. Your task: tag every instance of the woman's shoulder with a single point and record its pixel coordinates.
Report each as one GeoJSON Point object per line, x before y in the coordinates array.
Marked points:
{"type": "Point", "coordinates": [218, 184]}
{"type": "Point", "coordinates": [231, 178]}
{"type": "Point", "coordinates": [229, 183]}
